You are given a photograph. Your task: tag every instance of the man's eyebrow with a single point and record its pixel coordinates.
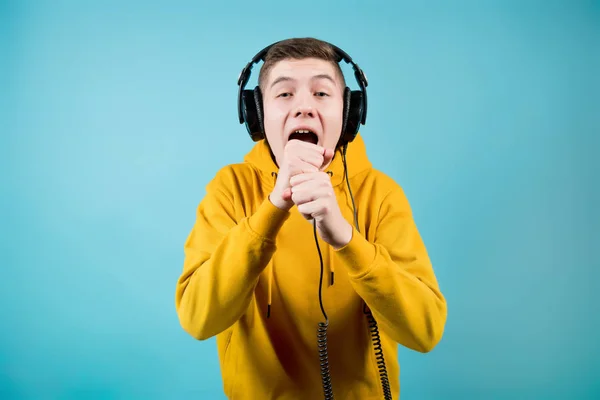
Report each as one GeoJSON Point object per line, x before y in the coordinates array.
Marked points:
{"type": "Point", "coordinates": [281, 79]}
{"type": "Point", "coordinates": [287, 78]}
{"type": "Point", "coordinates": [324, 76]}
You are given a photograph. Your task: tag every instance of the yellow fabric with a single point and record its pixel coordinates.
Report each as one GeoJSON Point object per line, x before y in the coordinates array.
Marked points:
{"type": "Point", "coordinates": [243, 253]}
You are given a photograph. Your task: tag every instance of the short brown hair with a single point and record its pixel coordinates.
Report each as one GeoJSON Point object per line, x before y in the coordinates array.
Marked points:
{"type": "Point", "coordinates": [298, 49]}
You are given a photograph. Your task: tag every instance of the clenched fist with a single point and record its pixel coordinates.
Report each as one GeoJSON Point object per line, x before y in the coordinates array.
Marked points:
{"type": "Point", "coordinates": [298, 158]}
{"type": "Point", "coordinates": [313, 194]}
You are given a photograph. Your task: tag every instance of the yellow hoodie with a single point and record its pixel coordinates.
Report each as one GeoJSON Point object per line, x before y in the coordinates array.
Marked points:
{"type": "Point", "coordinates": [246, 259]}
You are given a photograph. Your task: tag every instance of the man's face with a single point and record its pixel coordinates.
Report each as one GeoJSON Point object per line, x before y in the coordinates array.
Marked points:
{"type": "Point", "coordinates": [302, 95]}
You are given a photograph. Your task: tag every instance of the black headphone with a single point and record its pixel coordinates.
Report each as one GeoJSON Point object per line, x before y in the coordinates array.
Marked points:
{"type": "Point", "coordinates": [250, 110]}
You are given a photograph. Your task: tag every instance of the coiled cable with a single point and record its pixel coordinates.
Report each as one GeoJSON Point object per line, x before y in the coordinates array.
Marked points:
{"type": "Point", "coordinates": [383, 376]}
{"type": "Point", "coordinates": [322, 332]}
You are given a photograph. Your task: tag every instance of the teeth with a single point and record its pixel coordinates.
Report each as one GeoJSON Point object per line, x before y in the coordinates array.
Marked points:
{"type": "Point", "coordinates": [302, 131]}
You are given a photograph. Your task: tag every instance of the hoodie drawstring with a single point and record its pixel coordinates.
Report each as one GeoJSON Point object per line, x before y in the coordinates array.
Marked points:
{"type": "Point", "coordinates": [330, 253]}
{"type": "Point", "coordinates": [331, 271]}
{"type": "Point", "coordinates": [270, 285]}
{"type": "Point", "coordinates": [270, 267]}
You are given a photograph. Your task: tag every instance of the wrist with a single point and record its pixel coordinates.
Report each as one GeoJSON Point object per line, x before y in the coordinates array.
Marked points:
{"type": "Point", "coordinates": [344, 235]}
{"type": "Point", "coordinates": [276, 199]}
{"type": "Point", "coordinates": [267, 220]}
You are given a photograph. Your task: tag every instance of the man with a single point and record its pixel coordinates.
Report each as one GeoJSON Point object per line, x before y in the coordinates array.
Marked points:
{"type": "Point", "coordinates": [305, 261]}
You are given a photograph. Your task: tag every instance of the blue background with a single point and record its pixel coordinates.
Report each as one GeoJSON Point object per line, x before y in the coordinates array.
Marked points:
{"type": "Point", "coordinates": [114, 116]}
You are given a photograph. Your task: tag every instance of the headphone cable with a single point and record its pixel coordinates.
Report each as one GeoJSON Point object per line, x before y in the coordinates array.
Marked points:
{"type": "Point", "coordinates": [322, 328]}
{"type": "Point", "coordinates": [385, 383]}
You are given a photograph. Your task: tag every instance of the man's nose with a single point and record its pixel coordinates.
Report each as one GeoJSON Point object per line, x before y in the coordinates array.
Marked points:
{"type": "Point", "coordinates": [304, 107]}
{"type": "Point", "coordinates": [305, 111]}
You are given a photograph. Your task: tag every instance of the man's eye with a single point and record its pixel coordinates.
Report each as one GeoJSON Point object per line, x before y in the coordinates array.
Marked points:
{"type": "Point", "coordinates": [284, 95]}
{"type": "Point", "coordinates": [322, 94]}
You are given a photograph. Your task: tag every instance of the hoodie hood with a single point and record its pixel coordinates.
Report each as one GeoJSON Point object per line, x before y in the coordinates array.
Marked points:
{"type": "Point", "coordinates": [356, 159]}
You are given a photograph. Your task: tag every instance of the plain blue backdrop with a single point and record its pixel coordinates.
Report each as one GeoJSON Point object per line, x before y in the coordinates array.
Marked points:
{"type": "Point", "coordinates": [115, 115]}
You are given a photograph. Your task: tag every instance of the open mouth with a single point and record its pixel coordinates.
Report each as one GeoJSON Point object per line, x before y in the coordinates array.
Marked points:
{"type": "Point", "coordinates": [304, 135]}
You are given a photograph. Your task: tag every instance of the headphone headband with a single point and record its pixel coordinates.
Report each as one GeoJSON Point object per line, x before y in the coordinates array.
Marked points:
{"type": "Point", "coordinates": [359, 75]}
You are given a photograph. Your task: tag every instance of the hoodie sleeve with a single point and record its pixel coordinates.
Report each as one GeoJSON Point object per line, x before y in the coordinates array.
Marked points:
{"type": "Point", "coordinates": [224, 258]}
{"type": "Point", "coordinates": [394, 276]}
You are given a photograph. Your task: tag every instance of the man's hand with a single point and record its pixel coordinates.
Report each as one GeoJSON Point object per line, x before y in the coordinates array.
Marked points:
{"type": "Point", "coordinates": [298, 158]}
{"type": "Point", "coordinates": [313, 193]}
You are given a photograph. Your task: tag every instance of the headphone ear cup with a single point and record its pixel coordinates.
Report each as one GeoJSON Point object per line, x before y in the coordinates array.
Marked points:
{"type": "Point", "coordinates": [252, 116]}
{"type": "Point", "coordinates": [353, 109]}
{"type": "Point", "coordinates": [346, 112]}
{"type": "Point", "coordinates": [259, 111]}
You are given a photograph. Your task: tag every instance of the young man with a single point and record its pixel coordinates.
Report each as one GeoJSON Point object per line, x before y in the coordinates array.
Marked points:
{"type": "Point", "coordinates": [306, 298]}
